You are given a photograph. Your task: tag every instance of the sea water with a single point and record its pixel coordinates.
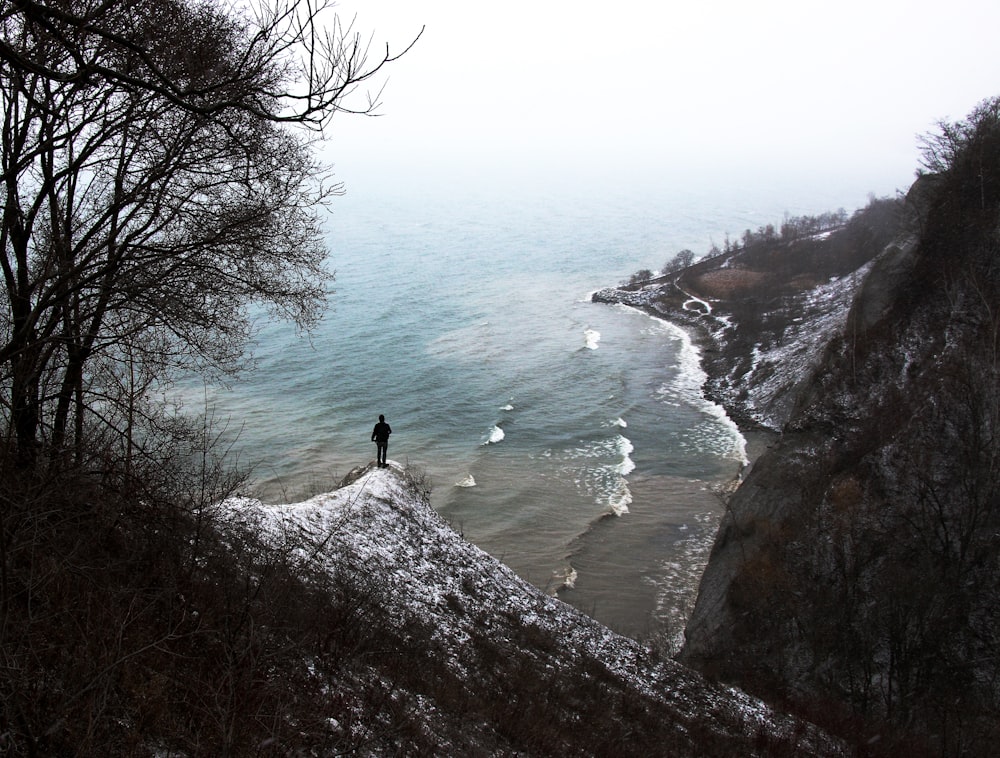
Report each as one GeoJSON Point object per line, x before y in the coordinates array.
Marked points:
{"type": "Point", "coordinates": [567, 438]}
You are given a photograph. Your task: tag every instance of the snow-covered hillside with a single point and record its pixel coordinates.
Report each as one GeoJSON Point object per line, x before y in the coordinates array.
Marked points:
{"type": "Point", "coordinates": [379, 530]}
{"type": "Point", "coordinates": [764, 386]}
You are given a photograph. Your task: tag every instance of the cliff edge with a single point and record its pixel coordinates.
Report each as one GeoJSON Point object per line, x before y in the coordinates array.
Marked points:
{"type": "Point", "coordinates": [503, 668]}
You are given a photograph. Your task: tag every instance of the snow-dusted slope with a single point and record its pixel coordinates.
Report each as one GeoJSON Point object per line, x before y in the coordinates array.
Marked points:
{"type": "Point", "coordinates": [766, 390]}
{"type": "Point", "coordinates": [379, 528]}
{"type": "Point", "coordinates": [755, 371]}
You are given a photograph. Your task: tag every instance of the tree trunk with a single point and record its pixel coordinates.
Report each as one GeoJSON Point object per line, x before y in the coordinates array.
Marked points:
{"type": "Point", "coordinates": [25, 412]}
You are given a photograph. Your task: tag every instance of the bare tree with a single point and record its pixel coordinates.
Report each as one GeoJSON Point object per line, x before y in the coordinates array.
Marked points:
{"type": "Point", "coordinates": [158, 179]}
{"type": "Point", "coordinates": [295, 55]}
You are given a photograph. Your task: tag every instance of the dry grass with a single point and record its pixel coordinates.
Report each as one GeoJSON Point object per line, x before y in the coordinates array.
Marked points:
{"type": "Point", "coordinates": [729, 283]}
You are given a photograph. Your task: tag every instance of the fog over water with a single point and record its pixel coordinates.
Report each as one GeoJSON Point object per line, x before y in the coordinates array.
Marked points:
{"type": "Point", "coordinates": [776, 90]}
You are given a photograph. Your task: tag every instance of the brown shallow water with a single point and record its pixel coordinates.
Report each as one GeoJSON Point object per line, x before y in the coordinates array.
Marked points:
{"type": "Point", "coordinates": [639, 573]}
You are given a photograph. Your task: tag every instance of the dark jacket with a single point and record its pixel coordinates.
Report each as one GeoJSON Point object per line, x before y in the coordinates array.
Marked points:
{"type": "Point", "coordinates": [381, 432]}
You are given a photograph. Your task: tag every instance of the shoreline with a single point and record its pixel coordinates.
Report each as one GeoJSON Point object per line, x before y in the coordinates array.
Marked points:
{"type": "Point", "coordinates": [757, 437]}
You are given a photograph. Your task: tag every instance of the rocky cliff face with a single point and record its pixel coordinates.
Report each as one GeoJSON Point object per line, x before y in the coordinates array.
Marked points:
{"type": "Point", "coordinates": [782, 481]}
{"type": "Point", "coordinates": [857, 569]}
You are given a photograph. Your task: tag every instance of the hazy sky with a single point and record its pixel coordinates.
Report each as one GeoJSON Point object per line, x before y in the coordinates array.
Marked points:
{"type": "Point", "coordinates": [634, 87]}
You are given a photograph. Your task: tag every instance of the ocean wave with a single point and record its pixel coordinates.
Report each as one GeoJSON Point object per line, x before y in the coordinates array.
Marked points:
{"type": "Point", "coordinates": [469, 481]}
{"type": "Point", "coordinates": [677, 579]}
{"type": "Point", "coordinates": [563, 579]}
{"type": "Point", "coordinates": [507, 407]}
{"type": "Point", "coordinates": [591, 338]}
{"type": "Point", "coordinates": [620, 499]}
{"type": "Point", "coordinates": [685, 388]}
{"type": "Point", "coordinates": [494, 436]}
{"type": "Point", "coordinates": [736, 446]}
{"type": "Point", "coordinates": [606, 482]}
{"type": "Point", "coordinates": [625, 448]}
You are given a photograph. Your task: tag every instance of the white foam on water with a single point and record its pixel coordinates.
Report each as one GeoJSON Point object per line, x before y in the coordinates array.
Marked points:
{"type": "Point", "coordinates": [677, 583]}
{"type": "Point", "coordinates": [606, 482]}
{"type": "Point", "coordinates": [625, 447]}
{"type": "Point", "coordinates": [563, 579]}
{"type": "Point", "coordinates": [468, 481]}
{"type": "Point", "coordinates": [591, 338]}
{"type": "Point", "coordinates": [494, 436]}
{"type": "Point", "coordinates": [620, 499]}
{"type": "Point", "coordinates": [685, 388]}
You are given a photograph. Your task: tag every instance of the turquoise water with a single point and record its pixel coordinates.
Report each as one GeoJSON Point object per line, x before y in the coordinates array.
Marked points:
{"type": "Point", "coordinates": [570, 439]}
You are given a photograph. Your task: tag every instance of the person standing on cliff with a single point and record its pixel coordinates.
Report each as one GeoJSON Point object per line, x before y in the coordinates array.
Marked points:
{"type": "Point", "coordinates": [380, 436]}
